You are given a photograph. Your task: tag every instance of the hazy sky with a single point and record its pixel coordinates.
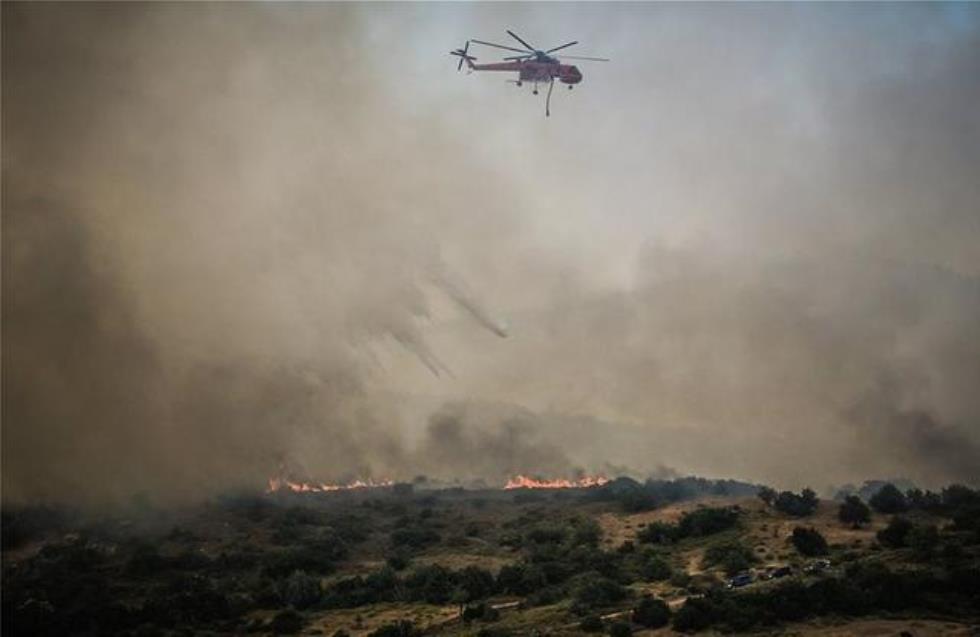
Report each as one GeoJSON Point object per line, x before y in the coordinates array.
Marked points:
{"type": "Point", "coordinates": [240, 234]}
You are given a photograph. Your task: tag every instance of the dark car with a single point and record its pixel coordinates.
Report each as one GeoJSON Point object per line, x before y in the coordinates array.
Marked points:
{"type": "Point", "coordinates": [782, 571]}
{"type": "Point", "coordinates": [740, 580]}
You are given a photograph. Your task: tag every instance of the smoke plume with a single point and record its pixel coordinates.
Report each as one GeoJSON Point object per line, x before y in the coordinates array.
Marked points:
{"type": "Point", "coordinates": [235, 234]}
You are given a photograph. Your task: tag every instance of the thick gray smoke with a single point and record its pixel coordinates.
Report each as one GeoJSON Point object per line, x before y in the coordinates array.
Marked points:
{"type": "Point", "coordinates": [471, 443]}
{"type": "Point", "coordinates": [748, 247]}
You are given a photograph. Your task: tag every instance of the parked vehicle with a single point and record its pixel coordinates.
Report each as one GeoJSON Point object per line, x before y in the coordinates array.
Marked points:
{"type": "Point", "coordinates": [782, 571]}
{"type": "Point", "coordinates": [740, 580]}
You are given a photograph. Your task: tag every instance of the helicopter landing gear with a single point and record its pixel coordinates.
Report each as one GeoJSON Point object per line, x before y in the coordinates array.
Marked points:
{"type": "Point", "coordinates": [570, 87]}
{"type": "Point", "coordinates": [520, 83]}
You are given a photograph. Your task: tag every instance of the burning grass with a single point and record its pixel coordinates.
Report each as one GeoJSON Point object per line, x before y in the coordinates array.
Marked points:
{"type": "Point", "coordinates": [278, 484]}
{"type": "Point", "coordinates": [527, 482]}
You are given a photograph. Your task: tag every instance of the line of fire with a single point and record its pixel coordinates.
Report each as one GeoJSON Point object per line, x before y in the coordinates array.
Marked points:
{"type": "Point", "coordinates": [283, 483]}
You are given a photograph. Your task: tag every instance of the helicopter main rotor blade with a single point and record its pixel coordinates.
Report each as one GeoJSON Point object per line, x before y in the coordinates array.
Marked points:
{"type": "Point", "coordinates": [580, 57]}
{"type": "Point", "coordinates": [564, 46]}
{"type": "Point", "coordinates": [518, 38]}
{"type": "Point", "coordinates": [499, 46]}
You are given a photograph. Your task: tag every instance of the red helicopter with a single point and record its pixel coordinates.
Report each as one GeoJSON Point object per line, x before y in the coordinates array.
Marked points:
{"type": "Point", "coordinates": [532, 65]}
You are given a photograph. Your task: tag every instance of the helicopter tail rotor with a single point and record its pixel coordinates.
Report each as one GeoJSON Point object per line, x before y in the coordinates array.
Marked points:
{"type": "Point", "coordinates": [464, 56]}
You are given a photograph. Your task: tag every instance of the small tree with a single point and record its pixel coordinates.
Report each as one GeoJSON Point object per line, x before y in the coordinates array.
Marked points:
{"type": "Point", "coordinates": [924, 500]}
{"type": "Point", "coordinates": [809, 498]}
{"type": "Point", "coordinates": [896, 533]}
{"type": "Point", "coordinates": [889, 500]}
{"type": "Point", "coordinates": [767, 495]}
{"type": "Point", "coordinates": [655, 569]}
{"type": "Point", "coordinates": [651, 613]}
{"type": "Point", "coordinates": [854, 512]}
{"type": "Point", "coordinates": [797, 505]}
{"type": "Point", "coordinates": [809, 542]}
{"type": "Point", "coordinates": [620, 629]}
{"type": "Point", "coordinates": [923, 539]}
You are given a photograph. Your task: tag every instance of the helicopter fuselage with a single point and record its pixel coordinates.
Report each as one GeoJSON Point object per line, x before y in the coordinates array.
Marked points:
{"type": "Point", "coordinates": [533, 71]}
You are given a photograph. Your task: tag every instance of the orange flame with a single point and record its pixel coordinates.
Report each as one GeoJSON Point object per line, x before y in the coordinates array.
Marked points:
{"type": "Point", "coordinates": [285, 484]}
{"type": "Point", "coordinates": [526, 482]}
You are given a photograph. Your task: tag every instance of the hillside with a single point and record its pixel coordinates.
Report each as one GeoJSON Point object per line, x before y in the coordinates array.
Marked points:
{"type": "Point", "coordinates": [564, 561]}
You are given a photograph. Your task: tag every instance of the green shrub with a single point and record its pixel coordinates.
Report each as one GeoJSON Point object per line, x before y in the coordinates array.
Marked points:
{"type": "Point", "coordinates": [924, 500]}
{"type": "Point", "coordinates": [301, 590]}
{"type": "Point", "coordinates": [707, 521]}
{"type": "Point", "coordinates": [767, 495]}
{"type": "Point", "coordinates": [477, 582]}
{"type": "Point", "coordinates": [695, 615]}
{"type": "Point", "coordinates": [651, 613]}
{"type": "Point", "coordinates": [594, 591]}
{"type": "Point", "coordinates": [482, 612]}
{"type": "Point", "coordinates": [433, 584]}
{"type": "Point", "coordinates": [680, 579]}
{"type": "Point", "coordinates": [854, 512]}
{"type": "Point", "coordinates": [655, 569]}
{"type": "Point", "coordinates": [547, 534]}
{"type": "Point", "coordinates": [398, 561]}
{"type": "Point", "coordinates": [586, 533]}
{"type": "Point", "coordinates": [591, 624]}
{"type": "Point", "coordinates": [733, 557]}
{"type": "Point", "coordinates": [416, 537]}
{"type": "Point", "coordinates": [658, 533]}
{"type": "Point", "coordinates": [809, 542]}
{"type": "Point", "coordinates": [287, 622]}
{"type": "Point", "coordinates": [313, 558]}
{"type": "Point", "coordinates": [889, 499]}
{"type": "Point", "coordinates": [797, 505]}
{"type": "Point", "coordinates": [521, 579]}
{"type": "Point", "coordinates": [145, 561]}
{"type": "Point", "coordinates": [401, 628]}
{"type": "Point", "coordinates": [923, 539]}
{"type": "Point", "coordinates": [545, 596]}
{"type": "Point", "coordinates": [894, 535]}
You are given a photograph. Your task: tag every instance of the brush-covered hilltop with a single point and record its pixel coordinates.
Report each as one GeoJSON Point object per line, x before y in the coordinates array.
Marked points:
{"type": "Point", "coordinates": [618, 557]}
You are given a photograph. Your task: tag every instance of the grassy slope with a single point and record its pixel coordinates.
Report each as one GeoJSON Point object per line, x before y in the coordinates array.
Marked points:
{"type": "Point", "coordinates": [761, 528]}
{"type": "Point", "coordinates": [474, 530]}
